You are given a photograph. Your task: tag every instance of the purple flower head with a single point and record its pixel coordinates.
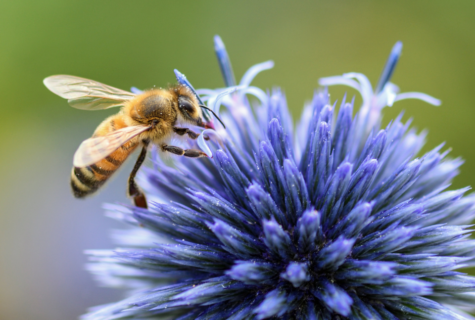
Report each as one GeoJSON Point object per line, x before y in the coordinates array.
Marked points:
{"type": "Point", "coordinates": [339, 219]}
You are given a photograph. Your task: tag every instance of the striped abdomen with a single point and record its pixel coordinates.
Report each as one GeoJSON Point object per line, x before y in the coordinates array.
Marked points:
{"type": "Point", "coordinates": [85, 181]}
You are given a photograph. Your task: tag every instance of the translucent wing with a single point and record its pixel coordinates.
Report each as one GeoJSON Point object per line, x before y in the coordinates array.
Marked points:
{"type": "Point", "coordinates": [95, 149]}
{"type": "Point", "coordinates": [87, 94]}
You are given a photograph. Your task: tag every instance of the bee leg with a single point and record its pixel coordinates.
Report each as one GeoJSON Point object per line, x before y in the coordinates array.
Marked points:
{"type": "Point", "coordinates": [133, 189]}
{"type": "Point", "coordinates": [183, 131]}
{"type": "Point", "coordinates": [190, 153]}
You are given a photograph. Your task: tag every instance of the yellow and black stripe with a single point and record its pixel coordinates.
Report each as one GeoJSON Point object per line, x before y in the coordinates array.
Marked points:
{"type": "Point", "coordinates": [87, 180]}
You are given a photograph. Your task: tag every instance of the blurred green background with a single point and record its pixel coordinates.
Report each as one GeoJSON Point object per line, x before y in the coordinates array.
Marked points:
{"type": "Point", "coordinates": [44, 230]}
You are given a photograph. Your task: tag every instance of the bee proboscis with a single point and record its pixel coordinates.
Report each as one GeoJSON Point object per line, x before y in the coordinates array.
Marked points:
{"type": "Point", "coordinates": [151, 117]}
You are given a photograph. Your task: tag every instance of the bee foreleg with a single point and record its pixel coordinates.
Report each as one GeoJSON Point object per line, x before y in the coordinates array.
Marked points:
{"type": "Point", "coordinates": [134, 190]}
{"type": "Point", "coordinates": [190, 153]}
{"type": "Point", "coordinates": [183, 131]}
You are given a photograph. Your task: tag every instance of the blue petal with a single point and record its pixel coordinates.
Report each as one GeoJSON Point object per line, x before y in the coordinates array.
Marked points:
{"type": "Point", "coordinates": [235, 241]}
{"type": "Point", "coordinates": [256, 92]}
{"type": "Point", "coordinates": [166, 227]}
{"type": "Point", "coordinates": [420, 307]}
{"type": "Point", "coordinates": [308, 231]}
{"type": "Point", "coordinates": [277, 108]}
{"type": "Point", "coordinates": [264, 206]}
{"type": "Point", "coordinates": [398, 183]}
{"type": "Point", "coordinates": [340, 136]}
{"type": "Point", "coordinates": [334, 298]}
{"type": "Point", "coordinates": [296, 195]}
{"type": "Point", "coordinates": [389, 67]}
{"type": "Point", "coordinates": [358, 272]}
{"type": "Point", "coordinates": [333, 255]}
{"type": "Point", "coordinates": [420, 96]}
{"type": "Point", "coordinates": [271, 175]}
{"type": "Point", "coordinates": [277, 240]}
{"type": "Point", "coordinates": [366, 90]}
{"type": "Point", "coordinates": [307, 126]}
{"type": "Point", "coordinates": [432, 266]}
{"type": "Point", "coordinates": [225, 211]}
{"type": "Point", "coordinates": [351, 225]}
{"type": "Point", "coordinates": [380, 243]}
{"type": "Point", "coordinates": [320, 162]}
{"type": "Point", "coordinates": [362, 310]}
{"type": "Point", "coordinates": [253, 272]}
{"type": "Point", "coordinates": [135, 90]}
{"type": "Point", "coordinates": [296, 273]}
{"type": "Point", "coordinates": [202, 142]}
{"type": "Point", "coordinates": [254, 71]}
{"type": "Point", "coordinates": [277, 139]}
{"type": "Point", "coordinates": [399, 286]}
{"type": "Point", "coordinates": [235, 181]}
{"type": "Point", "coordinates": [360, 182]}
{"type": "Point", "coordinates": [458, 282]}
{"type": "Point", "coordinates": [339, 80]}
{"type": "Point", "coordinates": [181, 78]}
{"type": "Point", "coordinates": [211, 288]}
{"type": "Point", "coordinates": [275, 304]}
{"type": "Point", "coordinates": [332, 198]}
{"type": "Point", "coordinates": [214, 102]}
{"type": "Point", "coordinates": [224, 62]}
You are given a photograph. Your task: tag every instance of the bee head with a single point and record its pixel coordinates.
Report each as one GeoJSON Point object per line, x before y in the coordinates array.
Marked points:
{"type": "Point", "coordinates": [189, 110]}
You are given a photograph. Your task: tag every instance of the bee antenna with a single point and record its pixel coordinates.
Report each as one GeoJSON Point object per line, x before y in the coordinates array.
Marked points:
{"type": "Point", "coordinates": [205, 107]}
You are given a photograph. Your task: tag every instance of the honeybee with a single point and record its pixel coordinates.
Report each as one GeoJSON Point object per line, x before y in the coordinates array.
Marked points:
{"type": "Point", "coordinates": [151, 117]}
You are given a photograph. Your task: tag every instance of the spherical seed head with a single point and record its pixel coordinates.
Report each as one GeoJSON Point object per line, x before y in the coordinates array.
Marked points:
{"type": "Point", "coordinates": [335, 219]}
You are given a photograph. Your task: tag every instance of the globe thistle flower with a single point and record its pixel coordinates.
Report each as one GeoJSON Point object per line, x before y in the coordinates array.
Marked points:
{"type": "Point", "coordinates": [339, 219]}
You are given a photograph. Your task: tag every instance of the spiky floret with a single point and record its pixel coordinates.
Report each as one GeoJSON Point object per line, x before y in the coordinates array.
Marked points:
{"type": "Point", "coordinates": [337, 219]}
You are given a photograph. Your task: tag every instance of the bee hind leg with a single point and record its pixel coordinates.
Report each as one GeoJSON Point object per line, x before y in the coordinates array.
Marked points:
{"type": "Point", "coordinates": [133, 189]}
{"type": "Point", "coordinates": [190, 153]}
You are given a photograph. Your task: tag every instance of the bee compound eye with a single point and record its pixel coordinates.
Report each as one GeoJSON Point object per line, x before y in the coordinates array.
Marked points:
{"type": "Point", "coordinates": [185, 105]}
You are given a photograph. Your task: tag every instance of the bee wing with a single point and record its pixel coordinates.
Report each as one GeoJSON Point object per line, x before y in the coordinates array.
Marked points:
{"type": "Point", "coordinates": [87, 94]}
{"type": "Point", "coordinates": [95, 149]}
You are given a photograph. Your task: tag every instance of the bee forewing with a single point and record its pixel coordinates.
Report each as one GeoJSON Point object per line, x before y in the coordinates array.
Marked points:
{"type": "Point", "coordinates": [87, 94]}
{"type": "Point", "coordinates": [95, 149]}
